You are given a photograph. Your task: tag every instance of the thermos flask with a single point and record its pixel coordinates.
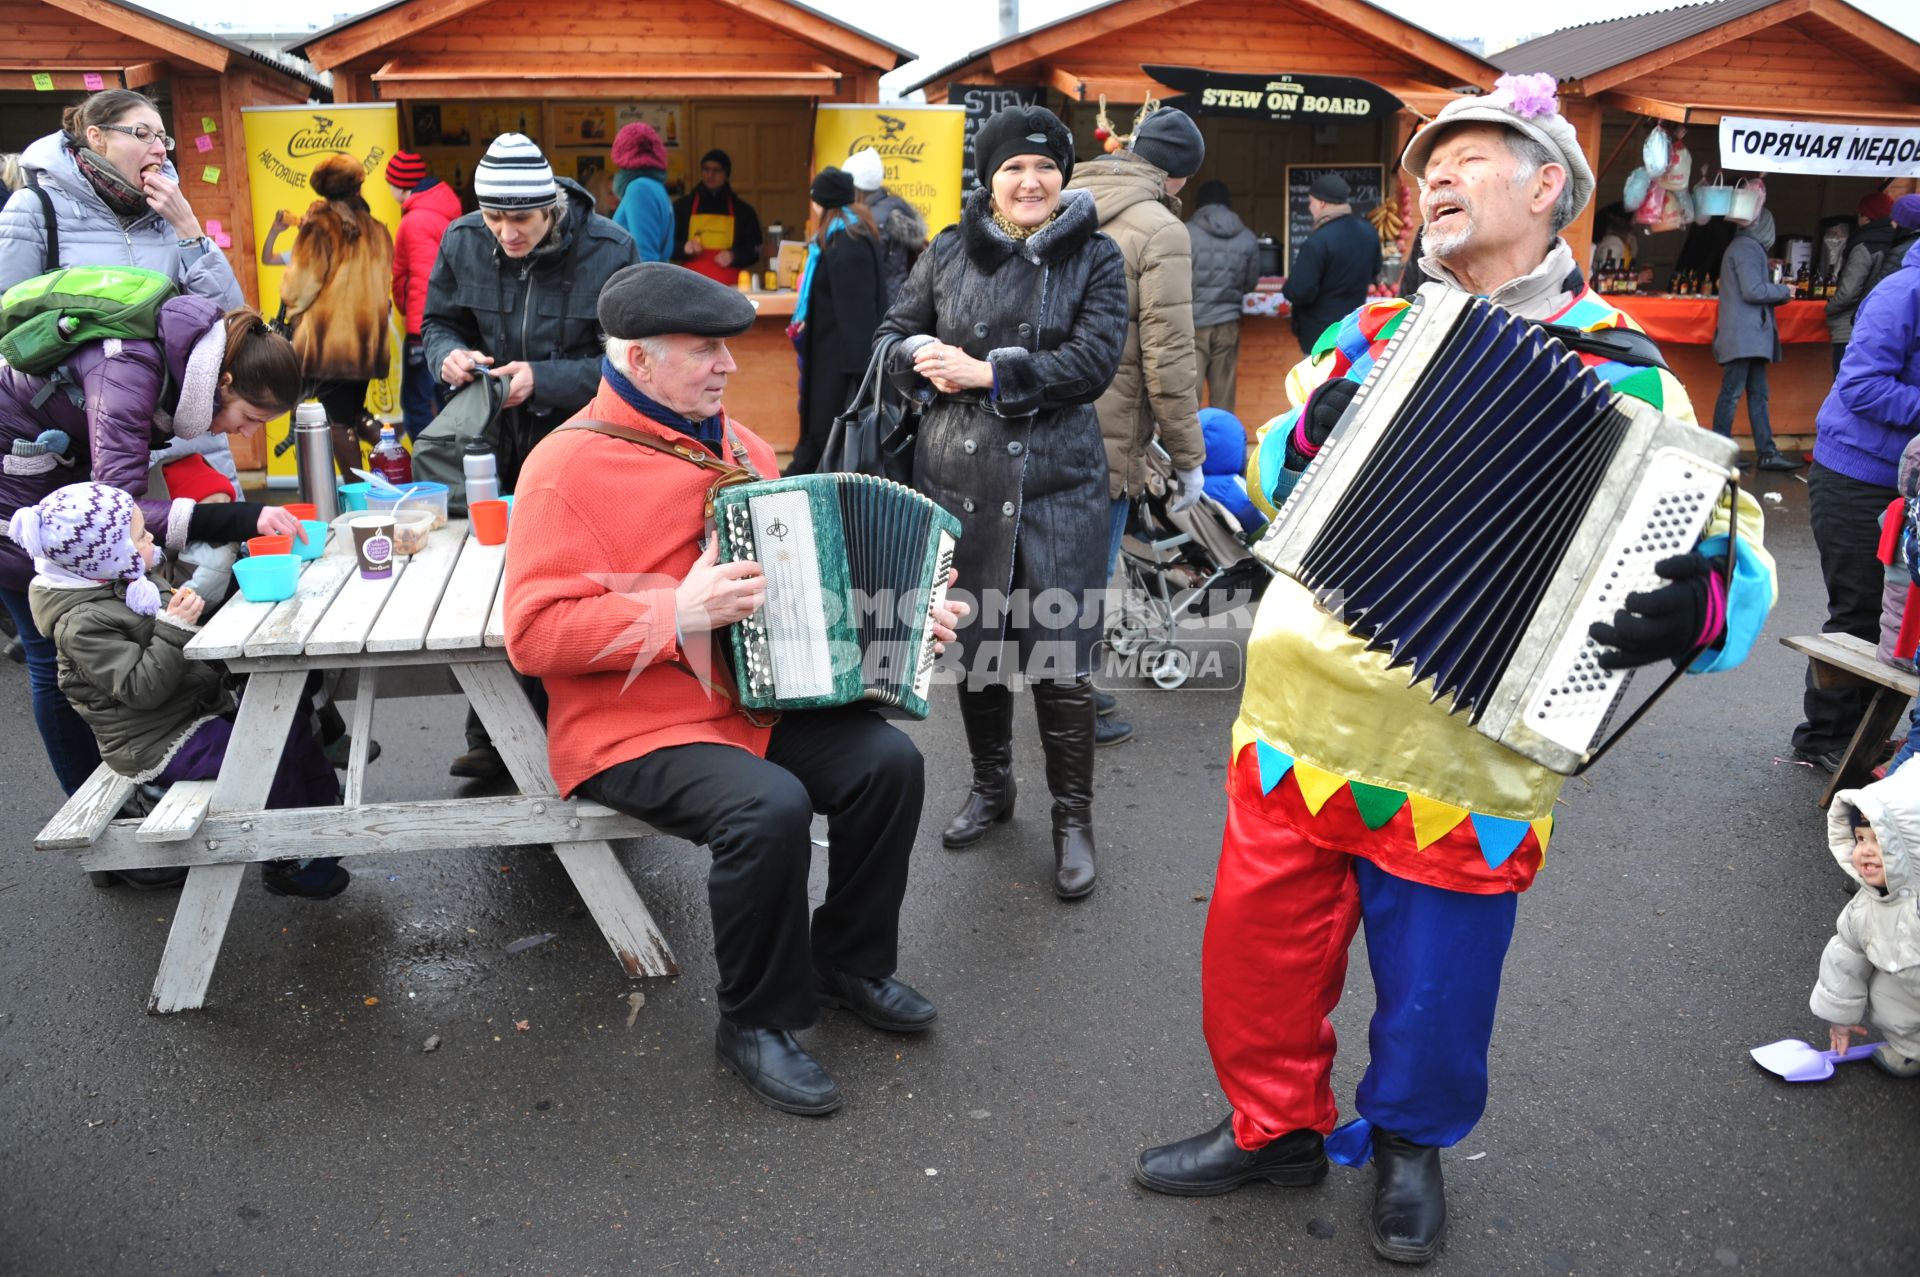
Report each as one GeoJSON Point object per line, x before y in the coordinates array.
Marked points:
{"type": "Point", "coordinates": [313, 457]}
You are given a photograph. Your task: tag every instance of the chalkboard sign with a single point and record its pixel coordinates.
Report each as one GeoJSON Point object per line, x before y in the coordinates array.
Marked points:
{"type": "Point", "coordinates": [1363, 179]}
{"type": "Point", "coordinates": [981, 101]}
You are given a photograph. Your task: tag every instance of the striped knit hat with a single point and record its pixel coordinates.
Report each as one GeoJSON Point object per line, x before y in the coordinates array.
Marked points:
{"type": "Point", "coordinates": [513, 175]}
{"type": "Point", "coordinates": [406, 170]}
{"type": "Point", "coordinates": [83, 533]}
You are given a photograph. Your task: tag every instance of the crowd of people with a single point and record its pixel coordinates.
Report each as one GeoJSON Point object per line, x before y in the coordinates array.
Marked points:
{"type": "Point", "coordinates": [1046, 343]}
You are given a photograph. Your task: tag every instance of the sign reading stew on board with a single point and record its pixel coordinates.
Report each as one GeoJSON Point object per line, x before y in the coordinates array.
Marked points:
{"type": "Point", "coordinates": [1314, 99]}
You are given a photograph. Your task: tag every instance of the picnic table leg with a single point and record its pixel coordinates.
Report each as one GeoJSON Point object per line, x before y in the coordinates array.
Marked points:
{"type": "Point", "coordinates": [362, 736]}
{"type": "Point", "coordinates": [206, 902]}
{"type": "Point", "coordinates": [604, 885]}
{"type": "Point", "coordinates": [1856, 765]}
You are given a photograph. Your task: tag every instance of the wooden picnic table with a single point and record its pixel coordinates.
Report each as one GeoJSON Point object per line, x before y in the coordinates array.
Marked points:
{"type": "Point", "coordinates": [438, 615]}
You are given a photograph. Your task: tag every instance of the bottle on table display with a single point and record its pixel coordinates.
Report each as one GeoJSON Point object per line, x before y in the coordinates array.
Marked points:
{"type": "Point", "coordinates": [481, 471]}
{"type": "Point", "coordinates": [390, 460]}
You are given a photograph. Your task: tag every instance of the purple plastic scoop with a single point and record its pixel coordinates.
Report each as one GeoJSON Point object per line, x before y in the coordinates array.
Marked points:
{"type": "Point", "coordinates": [1795, 1061]}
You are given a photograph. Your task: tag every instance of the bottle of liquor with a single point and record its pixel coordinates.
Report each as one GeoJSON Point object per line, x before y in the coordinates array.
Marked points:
{"type": "Point", "coordinates": [1608, 275]}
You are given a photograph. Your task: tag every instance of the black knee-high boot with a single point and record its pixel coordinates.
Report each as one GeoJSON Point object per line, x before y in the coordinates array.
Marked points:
{"type": "Point", "coordinates": [988, 715]}
{"type": "Point", "coordinates": [1066, 715]}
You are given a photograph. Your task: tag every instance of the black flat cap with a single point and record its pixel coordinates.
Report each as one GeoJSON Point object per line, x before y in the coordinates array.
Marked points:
{"type": "Point", "coordinates": [653, 299]}
{"type": "Point", "coordinates": [1330, 188]}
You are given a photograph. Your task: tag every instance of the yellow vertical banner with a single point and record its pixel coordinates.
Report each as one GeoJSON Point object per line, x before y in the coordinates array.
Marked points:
{"type": "Point", "coordinates": [284, 143]}
{"type": "Point", "coordinates": [920, 145]}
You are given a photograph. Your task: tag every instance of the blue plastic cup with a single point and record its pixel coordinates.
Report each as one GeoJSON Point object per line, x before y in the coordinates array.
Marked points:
{"type": "Point", "coordinates": [316, 542]}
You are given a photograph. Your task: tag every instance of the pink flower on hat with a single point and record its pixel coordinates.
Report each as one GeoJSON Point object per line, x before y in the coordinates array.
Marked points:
{"type": "Point", "coordinates": [1527, 96]}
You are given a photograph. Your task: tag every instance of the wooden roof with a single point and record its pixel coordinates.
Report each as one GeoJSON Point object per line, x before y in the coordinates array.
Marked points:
{"type": "Point", "coordinates": [1819, 59]}
{"type": "Point", "coordinates": [584, 48]}
{"type": "Point", "coordinates": [124, 44]}
{"type": "Point", "coordinates": [1101, 50]}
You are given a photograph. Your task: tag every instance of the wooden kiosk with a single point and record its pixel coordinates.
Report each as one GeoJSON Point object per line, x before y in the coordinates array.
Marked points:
{"type": "Point", "coordinates": [741, 75]}
{"type": "Point", "coordinates": [1106, 50]}
{"type": "Point", "coordinates": [1685, 69]}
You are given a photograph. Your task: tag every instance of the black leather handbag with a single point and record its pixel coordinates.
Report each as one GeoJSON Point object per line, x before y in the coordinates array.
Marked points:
{"type": "Point", "coordinates": [875, 434]}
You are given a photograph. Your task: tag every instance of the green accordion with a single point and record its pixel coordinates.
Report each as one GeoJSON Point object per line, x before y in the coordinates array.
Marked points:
{"type": "Point", "coordinates": [854, 564]}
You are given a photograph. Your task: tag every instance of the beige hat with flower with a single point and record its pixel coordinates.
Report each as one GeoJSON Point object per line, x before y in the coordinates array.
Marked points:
{"type": "Point", "coordinates": [1529, 104]}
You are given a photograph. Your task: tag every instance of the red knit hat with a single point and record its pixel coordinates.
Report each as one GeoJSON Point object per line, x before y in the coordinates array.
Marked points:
{"type": "Point", "coordinates": [193, 478]}
{"type": "Point", "coordinates": [638, 145]}
{"type": "Point", "coordinates": [1876, 206]}
{"type": "Point", "coordinates": [406, 170]}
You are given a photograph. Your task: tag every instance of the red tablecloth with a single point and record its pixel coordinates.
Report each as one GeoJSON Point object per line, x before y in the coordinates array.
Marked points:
{"type": "Point", "coordinates": [1689, 321]}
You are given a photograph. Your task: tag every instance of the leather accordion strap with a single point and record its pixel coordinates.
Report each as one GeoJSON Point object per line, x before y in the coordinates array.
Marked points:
{"type": "Point", "coordinates": [727, 472]}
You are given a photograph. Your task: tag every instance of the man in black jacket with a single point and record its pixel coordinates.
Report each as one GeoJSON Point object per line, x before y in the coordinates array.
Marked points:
{"type": "Point", "coordinates": [1336, 266]}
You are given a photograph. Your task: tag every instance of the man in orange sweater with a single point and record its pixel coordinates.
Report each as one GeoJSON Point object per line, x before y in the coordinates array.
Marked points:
{"type": "Point", "coordinates": [615, 598]}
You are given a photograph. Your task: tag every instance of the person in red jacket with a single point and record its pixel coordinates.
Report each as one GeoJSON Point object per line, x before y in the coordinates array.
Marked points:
{"type": "Point", "coordinates": [427, 205]}
{"type": "Point", "coordinates": [616, 600]}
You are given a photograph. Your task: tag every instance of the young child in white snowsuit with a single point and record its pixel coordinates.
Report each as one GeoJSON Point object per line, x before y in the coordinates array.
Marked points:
{"type": "Point", "coordinates": [1871, 968]}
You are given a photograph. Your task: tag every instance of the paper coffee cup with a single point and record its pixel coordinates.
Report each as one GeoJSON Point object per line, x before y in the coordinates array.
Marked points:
{"type": "Point", "coordinates": [373, 545]}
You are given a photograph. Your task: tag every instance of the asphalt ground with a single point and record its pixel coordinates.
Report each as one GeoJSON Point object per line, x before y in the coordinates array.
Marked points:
{"type": "Point", "coordinates": [297, 1124]}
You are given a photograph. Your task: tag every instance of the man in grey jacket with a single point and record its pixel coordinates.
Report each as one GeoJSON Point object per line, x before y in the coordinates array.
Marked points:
{"type": "Point", "coordinates": [1226, 267]}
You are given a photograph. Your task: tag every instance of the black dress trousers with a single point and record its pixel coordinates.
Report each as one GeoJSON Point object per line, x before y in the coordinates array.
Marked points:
{"type": "Point", "coordinates": [754, 816]}
{"type": "Point", "coordinates": [1845, 514]}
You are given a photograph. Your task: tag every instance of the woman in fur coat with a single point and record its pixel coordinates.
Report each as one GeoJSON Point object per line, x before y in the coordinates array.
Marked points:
{"type": "Point", "coordinates": [1008, 329]}
{"type": "Point", "coordinates": [338, 292]}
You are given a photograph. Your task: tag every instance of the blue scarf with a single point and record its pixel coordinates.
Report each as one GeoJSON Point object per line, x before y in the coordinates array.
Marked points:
{"type": "Point", "coordinates": [838, 220]}
{"type": "Point", "coordinates": [711, 433]}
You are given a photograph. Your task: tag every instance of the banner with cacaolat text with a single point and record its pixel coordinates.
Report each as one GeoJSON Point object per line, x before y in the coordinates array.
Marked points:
{"type": "Point", "coordinates": [283, 145]}
{"type": "Point", "coordinates": [920, 146]}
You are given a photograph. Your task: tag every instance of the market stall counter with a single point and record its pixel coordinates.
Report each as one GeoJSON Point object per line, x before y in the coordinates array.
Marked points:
{"type": "Point", "coordinates": [1796, 385]}
{"type": "Point", "coordinates": [764, 396]}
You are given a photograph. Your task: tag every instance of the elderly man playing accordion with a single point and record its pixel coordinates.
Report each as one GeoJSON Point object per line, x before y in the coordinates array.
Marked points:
{"type": "Point", "coordinates": [1353, 798]}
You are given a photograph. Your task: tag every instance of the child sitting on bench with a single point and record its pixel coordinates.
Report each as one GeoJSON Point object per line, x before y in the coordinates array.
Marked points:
{"type": "Point", "coordinates": [158, 717]}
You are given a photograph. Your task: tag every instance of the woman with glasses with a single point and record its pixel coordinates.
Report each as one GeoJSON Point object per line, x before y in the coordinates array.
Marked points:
{"type": "Point", "coordinates": [114, 199]}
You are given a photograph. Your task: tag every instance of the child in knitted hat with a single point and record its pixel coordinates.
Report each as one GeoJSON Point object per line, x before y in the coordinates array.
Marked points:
{"type": "Point", "coordinates": [158, 716]}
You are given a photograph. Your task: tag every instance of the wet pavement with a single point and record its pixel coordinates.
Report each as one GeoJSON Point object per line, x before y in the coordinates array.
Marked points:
{"type": "Point", "coordinates": [298, 1125]}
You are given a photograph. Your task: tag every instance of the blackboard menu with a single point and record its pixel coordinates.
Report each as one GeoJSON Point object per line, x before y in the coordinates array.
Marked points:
{"type": "Point", "coordinates": [1363, 179]}
{"type": "Point", "coordinates": [981, 101]}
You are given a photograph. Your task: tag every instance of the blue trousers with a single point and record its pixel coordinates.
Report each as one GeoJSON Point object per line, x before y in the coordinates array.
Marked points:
{"type": "Point", "coordinates": [1749, 375]}
{"type": "Point", "coordinates": [69, 741]}
{"type": "Point", "coordinates": [421, 397]}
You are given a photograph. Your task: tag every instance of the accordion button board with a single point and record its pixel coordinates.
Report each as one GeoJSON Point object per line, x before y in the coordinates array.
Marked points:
{"type": "Point", "coordinates": [853, 566]}
{"type": "Point", "coordinates": [1484, 499]}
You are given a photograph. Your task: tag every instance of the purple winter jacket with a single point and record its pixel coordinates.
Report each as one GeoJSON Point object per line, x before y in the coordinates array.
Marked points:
{"type": "Point", "coordinates": [1874, 407]}
{"type": "Point", "coordinates": [128, 408]}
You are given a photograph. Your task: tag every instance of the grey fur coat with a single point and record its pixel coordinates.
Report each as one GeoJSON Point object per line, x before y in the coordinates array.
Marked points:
{"type": "Point", "coordinates": [1022, 467]}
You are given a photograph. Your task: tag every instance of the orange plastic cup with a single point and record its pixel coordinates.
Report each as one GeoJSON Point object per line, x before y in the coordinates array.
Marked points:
{"type": "Point", "coordinates": [302, 510]}
{"type": "Point", "coordinates": [277, 544]}
{"type": "Point", "coordinates": [489, 521]}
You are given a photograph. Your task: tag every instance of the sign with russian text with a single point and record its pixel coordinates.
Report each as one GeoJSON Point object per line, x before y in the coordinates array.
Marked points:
{"type": "Point", "coordinates": [918, 145]}
{"type": "Point", "coordinates": [1809, 146]}
{"type": "Point", "coordinates": [1316, 99]}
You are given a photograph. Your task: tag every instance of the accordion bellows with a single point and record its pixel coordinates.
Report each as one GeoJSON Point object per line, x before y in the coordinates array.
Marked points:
{"type": "Point", "coordinates": [853, 565]}
{"type": "Point", "coordinates": [1484, 500]}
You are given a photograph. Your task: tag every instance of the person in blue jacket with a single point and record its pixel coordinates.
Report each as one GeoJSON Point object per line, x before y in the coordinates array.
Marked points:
{"type": "Point", "coordinates": [644, 211]}
{"type": "Point", "coordinates": [1225, 465]}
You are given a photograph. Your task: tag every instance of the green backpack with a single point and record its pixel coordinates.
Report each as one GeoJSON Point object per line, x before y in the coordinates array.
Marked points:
{"type": "Point", "coordinates": [44, 320]}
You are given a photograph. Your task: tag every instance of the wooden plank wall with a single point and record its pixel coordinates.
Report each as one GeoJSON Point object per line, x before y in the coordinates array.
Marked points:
{"type": "Point", "coordinates": [1795, 66]}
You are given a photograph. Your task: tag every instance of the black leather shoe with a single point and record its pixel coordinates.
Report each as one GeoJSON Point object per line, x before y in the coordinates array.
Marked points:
{"type": "Point", "coordinates": [149, 879]}
{"type": "Point", "coordinates": [1774, 461]}
{"type": "Point", "coordinates": [776, 1069]}
{"type": "Point", "coordinates": [1210, 1163]}
{"type": "Point", "coordinates": [1409, 1200]}
{"type": "Point", "coordinates": [1104, 702]}
{"type": "Point", "coordinates": [1111, 731]}
{"type": "Point", "coordinates": [884, 1003]}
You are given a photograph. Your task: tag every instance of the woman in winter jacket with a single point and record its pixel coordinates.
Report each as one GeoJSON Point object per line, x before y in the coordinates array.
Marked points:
{"type": "Point", "coordinates": [1226, 267]}
{"type": "Point", "coordinates": [338, 295]}
{"type": "Point", "coordinates": [644, 212]}
{"type": "Point", "coordinates": [842, 297]}
{"type": "Point", "coordinates": [1865, 250]}
{"type": "Point", "coordinates": [1870, 970]}
{"type": "Point", "coordinates": [158, 717]}
{"type": "Point", "coordinates": [116, 201]}
{"type": "Point", "coordinates": [1010, 326]}
{"type": "Point", "coordinates": [427, 207]}
{"type": "Point", "coordinates": [203, 374]}
{"type": "Point", "coordinates": [1745, 338]}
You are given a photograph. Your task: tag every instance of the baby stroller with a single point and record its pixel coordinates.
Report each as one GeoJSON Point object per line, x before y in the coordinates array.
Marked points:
{"type": "Point", "coordinates": [1178, 567]}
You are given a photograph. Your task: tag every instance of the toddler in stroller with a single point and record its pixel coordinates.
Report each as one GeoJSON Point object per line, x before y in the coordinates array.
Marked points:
{"type": "Point", "coordinates": [1184, 566]}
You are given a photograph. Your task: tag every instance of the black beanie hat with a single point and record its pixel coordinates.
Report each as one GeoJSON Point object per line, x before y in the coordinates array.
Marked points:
{"type": "Point", "coordinates": [720, 157]}
{"type": "Point", "coordinates": [1171, 142]}
{"type": "Point", "coordinates": [832, 188]}
{"type": "Point", "coordinates": [1214, 192]}
{"type": "Point", "coordinates": [1021, 130]}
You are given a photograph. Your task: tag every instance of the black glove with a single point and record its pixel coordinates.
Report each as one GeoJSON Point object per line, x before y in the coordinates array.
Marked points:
{"type": "Point", "coordinates": [1325, 406]}
{"type": "Point", "coordinates": [1668, 624]}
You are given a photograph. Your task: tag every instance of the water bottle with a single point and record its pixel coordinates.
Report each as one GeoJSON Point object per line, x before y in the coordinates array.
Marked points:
{"type": "Point", "coordinates": [313, 459]}
{"type": "Point", "coordinates": [483, 476]}
{"type": "Point", "coordinates": [390, 461]}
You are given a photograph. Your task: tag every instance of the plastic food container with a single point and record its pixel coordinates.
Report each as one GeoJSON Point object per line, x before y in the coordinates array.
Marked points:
{"type": "Point", "coordinates": [411, 528]}
{"type": "Point", "coordinates": [267, 578]}
{"type": "Point", "coordinates": [316, 542]}
{"type": "Point", "coordinates": [415, 496]}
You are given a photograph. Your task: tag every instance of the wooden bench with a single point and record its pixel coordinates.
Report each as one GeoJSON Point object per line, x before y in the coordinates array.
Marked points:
{"type": "Point", "coordinates": [1842, 660]}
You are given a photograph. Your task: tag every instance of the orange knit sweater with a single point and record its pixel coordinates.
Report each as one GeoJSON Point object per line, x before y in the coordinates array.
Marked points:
{"type": "Point", "coordinates": [603, 531]}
